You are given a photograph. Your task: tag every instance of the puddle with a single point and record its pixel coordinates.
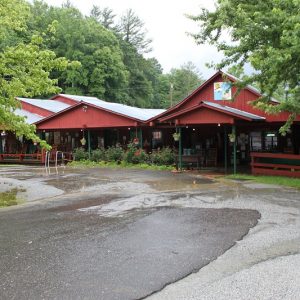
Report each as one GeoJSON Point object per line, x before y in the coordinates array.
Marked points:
{"type": "Point", "coordinates": [84, 204]}
{"type": "Point", "coordinates": [189, 183]}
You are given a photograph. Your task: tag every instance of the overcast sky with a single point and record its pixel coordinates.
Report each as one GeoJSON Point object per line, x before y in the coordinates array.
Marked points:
{"type": "Point", "coordinates": [166, 25]}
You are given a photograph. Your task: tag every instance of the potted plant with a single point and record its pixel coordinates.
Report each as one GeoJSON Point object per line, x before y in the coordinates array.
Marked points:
{"type": "Point", "coordinates": [176, 136]}
{"type": "Point", "coordinates": [231, 137]}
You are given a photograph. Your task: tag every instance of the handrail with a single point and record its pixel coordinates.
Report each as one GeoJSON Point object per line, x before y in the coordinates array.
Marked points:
{"type": "Point", "coordinates": [56, 157]}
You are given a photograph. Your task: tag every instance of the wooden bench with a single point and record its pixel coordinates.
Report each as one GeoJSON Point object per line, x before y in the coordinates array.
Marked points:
{"type": "Point", "coordinates": [275, 164]}
{"type": "Point", "coordinates": [193, 160]}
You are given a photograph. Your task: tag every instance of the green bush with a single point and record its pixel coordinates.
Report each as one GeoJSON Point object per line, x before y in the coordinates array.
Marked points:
{"type": "Point", "coordinates": [114, 154]}
{"type": "Point", "coordinates": [134, 155]}
{"type": "Point", "coordinates": [165, 156]}
{"type": "Point", "coordinates": [80, 154]}
{"type": "Point", "coordinates": [98, 155]}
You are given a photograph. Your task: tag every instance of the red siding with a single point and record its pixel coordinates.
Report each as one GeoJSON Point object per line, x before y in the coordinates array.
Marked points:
{"type": "Point", "coordinates": [36, 110]}
{"type": "Point", "coordinates": [93, 118]}
{"type": "Point", "coordinates": [204, 116]}
{"type": "Point", "coordinates": [241, 102]}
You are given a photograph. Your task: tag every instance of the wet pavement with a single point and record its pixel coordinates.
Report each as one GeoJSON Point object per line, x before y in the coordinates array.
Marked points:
{"type": "Point", "coordinates": [127, 234]}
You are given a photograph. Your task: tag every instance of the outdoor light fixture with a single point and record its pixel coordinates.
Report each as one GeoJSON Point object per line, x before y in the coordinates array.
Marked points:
{"type": "Point", "coordinates": [84, 108]}
{"type": "Point", "coordinates": [194, 129]}
{"type": "Point", "coordinates": [219, 124]}
{"type": "Point", "coordinates": [186, 126]}
{"type": "Point", "coordinates": [128, 128]}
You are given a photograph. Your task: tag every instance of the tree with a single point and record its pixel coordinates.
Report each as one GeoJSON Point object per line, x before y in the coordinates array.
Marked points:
{"type": "Point", "coordinates": [131, 29]}
{"type": "Point", "coordinates": [183, 81]}
{"type": "Point", "coordinates": [102, 72]}
{"type": "Point", "coordinates": [265, 34]}
{"type": "Point", "coordinates": [24, 68]}
{"type": "Point", "coordinates": [104, 16]}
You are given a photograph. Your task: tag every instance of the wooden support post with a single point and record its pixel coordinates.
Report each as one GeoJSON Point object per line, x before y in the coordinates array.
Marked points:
{"type": "Point", "coordinates": [234, 148]}
{"type": "Point", "coordinates": [89, 143]}
{"type": "Point", "coordinates": [225, 149]}
{"type": "Point", "coordinates": [180, 149]}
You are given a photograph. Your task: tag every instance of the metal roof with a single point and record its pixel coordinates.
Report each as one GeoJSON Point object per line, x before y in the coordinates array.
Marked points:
{"type": "Point", "coordinates": [233, 110]}
{"type": "Point", "coordinates": [50, 105]}
{"type": "Point", "coordinates": [29, 117]}
{"type": "Point", "coordinates": [142, 114]}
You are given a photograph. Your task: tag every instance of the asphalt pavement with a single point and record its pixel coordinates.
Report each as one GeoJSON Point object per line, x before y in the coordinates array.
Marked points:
{"type": "Point", "coordinates": [129, 234]}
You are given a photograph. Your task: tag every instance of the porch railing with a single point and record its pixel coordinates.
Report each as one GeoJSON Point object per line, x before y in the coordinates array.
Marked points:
{"type": "Point", "coordinates": [279, 164]}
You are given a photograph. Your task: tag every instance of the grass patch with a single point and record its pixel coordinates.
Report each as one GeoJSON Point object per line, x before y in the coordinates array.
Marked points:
{"type": "Point", "coordinates": [122, 164]}
{"type": "Point", "coordinates": [9, 198]}
{"type": "Point", "coordinates": [278, 180]}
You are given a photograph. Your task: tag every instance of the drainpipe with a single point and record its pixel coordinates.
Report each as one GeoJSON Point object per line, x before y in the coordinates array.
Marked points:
{"type": "Point", "coordinates": [89, 143]}
{"type": "Point", "coordinates": [234, 149]}
{"type": "Point", "coordinates": [225, 149]}
{"type": "Point", "coordinates": [180, 149]}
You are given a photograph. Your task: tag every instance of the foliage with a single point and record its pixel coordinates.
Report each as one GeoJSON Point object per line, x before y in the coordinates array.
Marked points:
{"type": "Point", "coordinates": [98, 155]}
{"type": "Point", "coordinates": [184, 80]}
{"type": "Point", "coordinates": [25, 66]}
{"type": "Point", "coordinates": [131, 30]}
{"type": "Point", "coordinates": [114, 154]}
{"type": "Point", "coordinates": [265, 34]}
{"type": "Point", "coordinates": [8, 198]}
{"type": "Point", "coordinates": [80, 154]}
{"type": "Point", "coordinates": [91, 164]}
{"type": "Point", "coordinates": [165, 156]}
{"type": "Point", "coordinates": [284, 181]}
{"type": "Point", "coordinates": [132, 155]}
{"type": "Point", "coordinates": [103, 16]}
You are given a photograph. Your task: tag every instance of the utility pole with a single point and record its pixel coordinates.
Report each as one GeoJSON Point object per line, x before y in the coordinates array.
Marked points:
{"type": "Point", "coordinates": [171, 94]}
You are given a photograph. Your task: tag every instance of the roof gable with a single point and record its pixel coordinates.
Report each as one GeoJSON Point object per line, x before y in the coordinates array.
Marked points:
{"type": "Point", "coordinates": [85, 115]}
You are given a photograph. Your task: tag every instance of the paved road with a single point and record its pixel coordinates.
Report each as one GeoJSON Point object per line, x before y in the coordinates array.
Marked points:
{"type": "Point", "coordinates": [53, 253]}
{"type": "Point", "coordinates": [124, 234]}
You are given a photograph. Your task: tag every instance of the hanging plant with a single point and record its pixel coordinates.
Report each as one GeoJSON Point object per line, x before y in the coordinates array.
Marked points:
{"type": "Point", "coordinates": [231, 137]}
{"type": "Point", "coordinates": [176, 136]}
{"type": "Point", "coordinates": [83, 141]}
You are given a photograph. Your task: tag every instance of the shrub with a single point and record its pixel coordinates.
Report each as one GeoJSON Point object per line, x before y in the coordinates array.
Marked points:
{"type": "Point", "coordinates": [80, 154]}
{"type": "Point", "coordinates": [165, 156]}
{"type": "Point", "coordinates": [114, 154]}
{"type": "Point", "coordinates": [134, 155]}
{"type": "Point", "coordinates": [98, 155]}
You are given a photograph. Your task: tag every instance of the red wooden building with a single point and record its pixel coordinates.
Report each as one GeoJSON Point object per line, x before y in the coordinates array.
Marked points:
{"type": "Point", "coordinates": [214, 130]}
{"type": "Point", "coordinates": [208, 119]}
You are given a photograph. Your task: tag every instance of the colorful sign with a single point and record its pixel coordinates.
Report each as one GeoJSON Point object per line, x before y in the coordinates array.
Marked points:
{"type": "Point", "coordinates": [222, 91]}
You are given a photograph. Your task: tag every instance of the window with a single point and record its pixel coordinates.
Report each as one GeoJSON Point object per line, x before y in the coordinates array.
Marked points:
{"type": "Point", "coordinates": [157, 135]}
{"type": "Point", "coordinates": [271, 140]}
{"type": "Point", "coordinates": [255, 141]}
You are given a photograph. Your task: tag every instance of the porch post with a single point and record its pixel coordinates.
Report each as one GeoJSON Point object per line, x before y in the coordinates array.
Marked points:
{"type": "Point", "coordinates": [234, 149]}
{"type": "Point", "coordinates": [89, 143]}
{"type": "Point", "coordinates": [141, 138]}
{"type": "Point", "coordinates": [180, 149]}
{"type": "Point", "coordinates": [225, 149]}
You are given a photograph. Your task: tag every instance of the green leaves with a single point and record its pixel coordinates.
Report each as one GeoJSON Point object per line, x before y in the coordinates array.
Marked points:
{"type": "Point", "coordinates": [24, 69]}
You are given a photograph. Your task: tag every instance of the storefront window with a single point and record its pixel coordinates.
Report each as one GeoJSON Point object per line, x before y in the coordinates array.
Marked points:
{"type": "Point", "coordinates": [271, 141]}
{"type": "Point", "coordinates": [255, 141]}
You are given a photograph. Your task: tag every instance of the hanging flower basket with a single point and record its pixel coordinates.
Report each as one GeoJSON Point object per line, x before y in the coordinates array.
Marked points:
{"type": "Point", "coordinates": [231, 137]}
{"type": "Point", "coordinates": [176, 136]}
{"type": "Point", "coordinates": [83, 141]}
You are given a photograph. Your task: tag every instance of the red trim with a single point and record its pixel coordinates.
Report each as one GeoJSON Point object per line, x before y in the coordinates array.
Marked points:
{"type": "Point", "coordinates": [91, 105]}
{"type": "Point", "coordinates": [184, 111]}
